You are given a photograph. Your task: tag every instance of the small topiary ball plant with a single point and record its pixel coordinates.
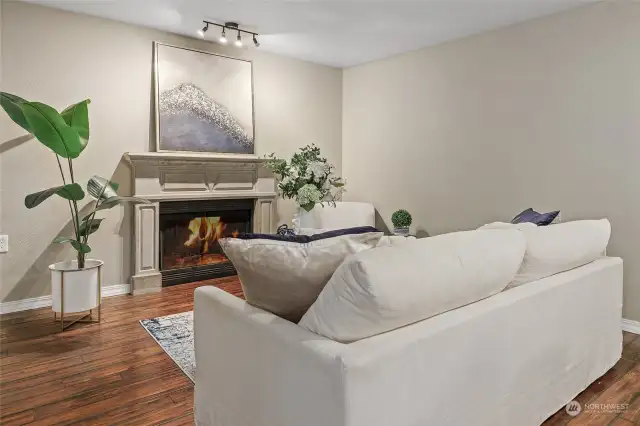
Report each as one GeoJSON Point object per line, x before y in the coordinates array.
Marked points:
{"type": "Point", "coordinates": [401, 219]}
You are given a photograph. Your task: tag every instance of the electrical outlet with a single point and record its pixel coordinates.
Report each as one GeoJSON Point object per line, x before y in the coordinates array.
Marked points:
{"type": "Point", "coordinates": [4, 243]}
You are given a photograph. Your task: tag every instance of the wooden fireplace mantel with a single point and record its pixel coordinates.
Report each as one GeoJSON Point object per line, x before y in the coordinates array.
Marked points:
{"type": "Point", "coordinates": [170, 176]}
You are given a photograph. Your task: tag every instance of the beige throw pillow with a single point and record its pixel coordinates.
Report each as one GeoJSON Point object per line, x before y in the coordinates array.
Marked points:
{"type": "Point", "coordinates": [284, 275]}
{"type": "Point", "coordinates": [391, 287]}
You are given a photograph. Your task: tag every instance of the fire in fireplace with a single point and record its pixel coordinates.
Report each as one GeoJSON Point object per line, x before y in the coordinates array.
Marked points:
{"type": "Point", "coordinates": [189, 234]}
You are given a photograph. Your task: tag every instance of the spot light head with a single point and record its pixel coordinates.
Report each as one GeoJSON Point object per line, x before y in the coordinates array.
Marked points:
{"type": "Point", "coordinates": [203, 30]}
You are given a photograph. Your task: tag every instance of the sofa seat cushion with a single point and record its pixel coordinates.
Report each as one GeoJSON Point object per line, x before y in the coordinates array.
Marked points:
{"type": "Point", "coordinates": [284, 274]}
{"type": "Point", "coordinates": [559, 247]}
{"type": "Point", "coordinates": [389, 287]}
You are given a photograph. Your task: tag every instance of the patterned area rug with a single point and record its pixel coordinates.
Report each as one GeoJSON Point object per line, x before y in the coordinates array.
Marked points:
{"type": "Point", "coordinates": [174, 333]}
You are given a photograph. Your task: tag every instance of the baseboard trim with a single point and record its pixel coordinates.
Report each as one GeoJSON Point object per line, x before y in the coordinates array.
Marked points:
{"type": "Point", "coordinates": [631, 326]}
{"type": "Point", "coordinates": [116, 290]}
{"type": "Point", "coordinates": [45, 301]}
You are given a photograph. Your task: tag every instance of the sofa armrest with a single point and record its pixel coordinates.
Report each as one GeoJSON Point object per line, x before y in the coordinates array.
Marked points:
{"type": "Point", "coordinates": [286, 375]}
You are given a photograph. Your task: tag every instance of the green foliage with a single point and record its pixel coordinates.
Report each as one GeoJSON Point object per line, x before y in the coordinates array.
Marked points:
{"type": "Point", "coordinates": [67, 135]}
{"type": "Point", "coordinates": [77, 117]}
{"type": "Point", "coordinates": [101, 189]}
{"type": "Point", "coordinates": [111, 202]}
{"type": "Point", "coordinates": [401, 219]}
{"type": "Point", "coordinates": [89, 225]}
{"type": "Point", "coordinates": [73, 191]}
{"type": "Point", "coordinates": [81, 248]}
{"type": "Point", "coordinates": [307, 177]}
{"type": "Point", "coordinates": [51, 130]}
{"type": "Point", "coordinates": [10, 103]}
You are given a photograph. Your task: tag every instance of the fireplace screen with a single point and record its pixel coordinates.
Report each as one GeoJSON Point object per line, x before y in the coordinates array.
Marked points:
{"type": "Point", "coordinates": [189, 234]}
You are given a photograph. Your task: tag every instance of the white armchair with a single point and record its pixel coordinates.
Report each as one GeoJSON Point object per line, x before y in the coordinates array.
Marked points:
{"type": "Point", "coordinates": [345, 214]}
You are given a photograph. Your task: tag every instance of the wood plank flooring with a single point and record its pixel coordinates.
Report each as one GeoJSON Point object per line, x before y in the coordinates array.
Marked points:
{"type": "Point", "coordinates": [114, 373]}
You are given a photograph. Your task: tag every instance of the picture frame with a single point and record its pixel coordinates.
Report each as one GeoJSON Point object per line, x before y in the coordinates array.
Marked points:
{"type": "Point", "coordinates": [203, 102]}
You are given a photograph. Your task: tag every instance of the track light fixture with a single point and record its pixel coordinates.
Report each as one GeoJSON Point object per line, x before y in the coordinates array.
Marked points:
{"type": "Point", "coordinates": [203, 30]}
{"type": "Point", "coordinates": [232, 26]}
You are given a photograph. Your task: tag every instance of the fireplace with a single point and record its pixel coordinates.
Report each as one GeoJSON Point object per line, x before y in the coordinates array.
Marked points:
{"type": "Point", "coordinates": [189, 233]}
{"type": "Point", "coordinates": [181, 187]}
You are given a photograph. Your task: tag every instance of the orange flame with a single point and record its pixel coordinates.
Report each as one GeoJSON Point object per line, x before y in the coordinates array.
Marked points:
{"type": "Point", "coordinates": [204, 231]}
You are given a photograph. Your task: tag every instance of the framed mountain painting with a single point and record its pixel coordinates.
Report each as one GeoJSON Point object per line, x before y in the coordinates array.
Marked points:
{"type": "Point", "coordinates": [203, 101]}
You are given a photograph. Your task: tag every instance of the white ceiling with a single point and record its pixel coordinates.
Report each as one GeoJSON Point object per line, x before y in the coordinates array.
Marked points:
{"type": "Point", "coordinates": [331, 32]}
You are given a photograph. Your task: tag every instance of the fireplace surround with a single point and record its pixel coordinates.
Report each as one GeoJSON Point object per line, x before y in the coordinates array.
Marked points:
{"type": "Point", "coordinates": [200, 197]}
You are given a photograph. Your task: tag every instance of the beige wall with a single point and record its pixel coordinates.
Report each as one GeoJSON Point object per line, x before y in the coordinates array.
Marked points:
{"type": "Point", "coordinates": [60, 58]}
{"type": "Point", "coordinates": [2, 256]}
{"type": "Point", "coordinates": [544, 114]}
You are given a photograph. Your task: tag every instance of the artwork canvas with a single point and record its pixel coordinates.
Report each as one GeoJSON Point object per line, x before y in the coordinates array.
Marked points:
{"type": "Point", "coordinates": [204, 102]}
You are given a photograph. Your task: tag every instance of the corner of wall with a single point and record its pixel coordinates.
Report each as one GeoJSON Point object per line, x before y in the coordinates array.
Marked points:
{"type": "Point", "coordinates": [1, 60]}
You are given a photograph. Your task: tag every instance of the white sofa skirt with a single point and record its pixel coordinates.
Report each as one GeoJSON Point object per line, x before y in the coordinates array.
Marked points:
{"type": "Point", "coordinates": [511, 359]}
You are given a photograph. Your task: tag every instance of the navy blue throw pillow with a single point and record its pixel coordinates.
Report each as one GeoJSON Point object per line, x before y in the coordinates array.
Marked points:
{"type": "Point", "coordinates": [303, 239]}
{"type": "Point", "coordinates": [545, 219]}
{"type": "Point", "coordinates": [540, 219]}
{"type": "Point", "coordinates": [528, 215]}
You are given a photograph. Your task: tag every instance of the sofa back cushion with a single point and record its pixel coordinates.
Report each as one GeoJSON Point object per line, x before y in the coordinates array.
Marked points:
{"type": "Point", "coordinates": [389, 287]}
{"type": "Point", "coordinates": [559, 247]}
{"type": "Point", "coordinates": [504, 225]}
{"type": "Point", "coordinates": [285, 274]}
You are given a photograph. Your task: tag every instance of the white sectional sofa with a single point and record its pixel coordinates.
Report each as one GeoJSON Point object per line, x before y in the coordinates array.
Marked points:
{"type": "Point", "coordinates": [512, 359]}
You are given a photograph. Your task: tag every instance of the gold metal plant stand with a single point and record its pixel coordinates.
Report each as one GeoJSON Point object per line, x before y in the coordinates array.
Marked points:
{"type": "Point", "coordinates": [86, 318]}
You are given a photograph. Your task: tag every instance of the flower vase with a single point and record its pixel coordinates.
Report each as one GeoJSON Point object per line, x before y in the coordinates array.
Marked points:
{"type": "Point", "coordinates": [296, 219]}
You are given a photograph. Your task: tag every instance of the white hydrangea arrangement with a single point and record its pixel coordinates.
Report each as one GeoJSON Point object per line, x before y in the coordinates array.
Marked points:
{"type": "Point", "coordinates": [307, 177]}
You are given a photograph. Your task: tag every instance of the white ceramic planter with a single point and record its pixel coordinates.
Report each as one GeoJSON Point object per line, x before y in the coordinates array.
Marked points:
{"type": "Point", "coordinates": [75, 290]}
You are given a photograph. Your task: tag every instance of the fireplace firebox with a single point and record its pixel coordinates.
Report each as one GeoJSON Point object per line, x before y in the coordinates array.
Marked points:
{"type": "Point", "coordinates": [189, 234]}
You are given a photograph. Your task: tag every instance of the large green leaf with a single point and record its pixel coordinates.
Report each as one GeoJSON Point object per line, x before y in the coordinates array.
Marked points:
{"type": "Point", "coordinates": [10, 103]}
{"type": "Point", "coordinates": [114, 201]}
{"type": "Point", "coordinates": [88, 227]}
{"type": "Point", "coordinates": [77, 116]}
{"type": "Point", "coordinates": [62, 240]}
{"type": "Point", "coordinates": [51, 129]}
{"type": "Point", "coordinates": [72, 191]}
{"type": "Point", "coordinates": [82, 248]}
{"type": "Point", "coordinates": [101, 188]}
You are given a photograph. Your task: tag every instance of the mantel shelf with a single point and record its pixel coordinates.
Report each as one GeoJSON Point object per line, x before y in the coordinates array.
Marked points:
{"type": "Point", "coordinates": [134, 157]}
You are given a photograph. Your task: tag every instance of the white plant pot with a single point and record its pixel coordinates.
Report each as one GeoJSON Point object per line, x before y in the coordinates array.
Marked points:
{"type": "Point", "coordinates": [75, 290]}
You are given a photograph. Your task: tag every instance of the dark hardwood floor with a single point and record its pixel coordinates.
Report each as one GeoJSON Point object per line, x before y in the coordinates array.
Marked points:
{"type": "Point", "coordinates": [114, 373]}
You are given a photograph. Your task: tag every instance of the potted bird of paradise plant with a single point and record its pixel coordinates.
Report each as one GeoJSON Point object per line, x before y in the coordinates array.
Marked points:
{"type": "Point", "coordinates": [75, 283]}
